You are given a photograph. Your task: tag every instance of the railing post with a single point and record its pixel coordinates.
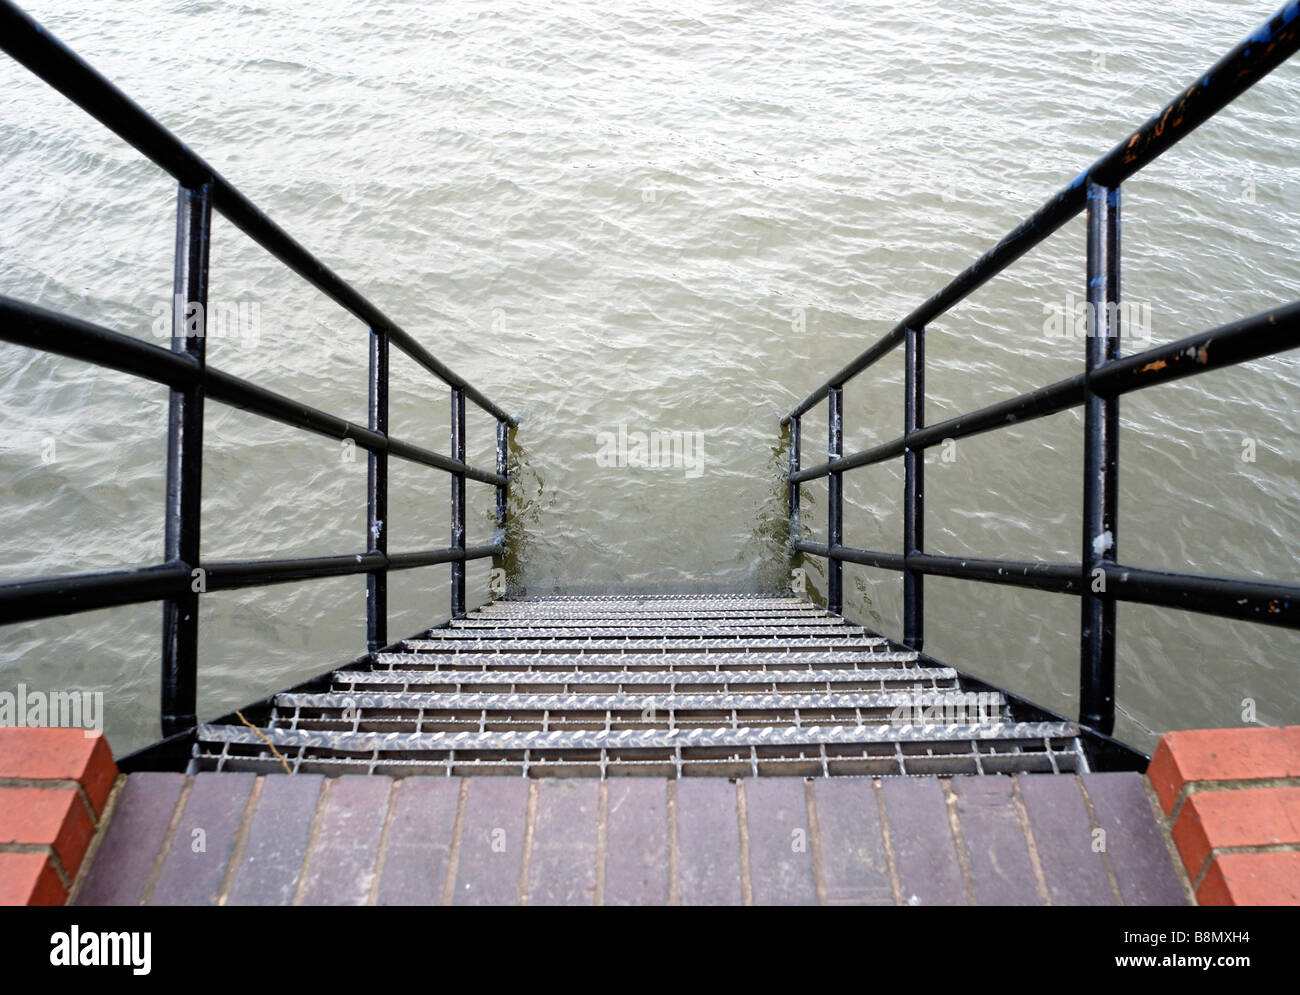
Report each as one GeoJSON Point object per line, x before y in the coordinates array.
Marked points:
{"type": "Point", "coordinates": [180, 628]}
{"type": "Point", "coordinates": [796, 436]}
{"type": "Point", "coordinates": [377, 496]}
{"type": "Point", "coordinates": [1100, 465]}
{"type": "Point", "coordinates": [914, 489]}
{"type": "Point", "coordinates": [834, 502]}
{"type": "Point", "coordinates": [458, 502]}
{"type": "Point", "coordinates": [503, 462]}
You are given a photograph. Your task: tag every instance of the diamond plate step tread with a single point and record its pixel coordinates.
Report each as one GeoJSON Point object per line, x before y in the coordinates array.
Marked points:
{"type": "Point", "coordinates": [622, 702]}
{"type": "Point", "coordinates": [663, 685]}
{"type": "Point", "coordinates": [664, 645]}
{"type": "Point", "coordinates": [849, 659]}
{"type": "Point", "coordinates": [666, 677]}
{"type": "Point", "coordinates": [613, 623]}
{"type": "Point", "coordinates": [637, 739]}
{"type": "Point", "coordinates": [655, 632]}
{"type": "Point", "coordinates": [488, 612]}
{"type": "Point", "coordinates": [654, 598]}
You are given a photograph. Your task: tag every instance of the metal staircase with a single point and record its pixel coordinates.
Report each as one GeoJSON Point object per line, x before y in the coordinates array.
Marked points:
{"type": "Point", "coordinates": [721, 685]}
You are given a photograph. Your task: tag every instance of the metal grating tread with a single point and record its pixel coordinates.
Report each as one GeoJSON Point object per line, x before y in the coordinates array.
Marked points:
{"type": "Point", "coordinates": [590, 644]}
{"type": "Point", "coordinates": [668, 685]}
{"type": "Point", "coordinates": [852, 660]}
{"type": "Point", "coordinates": [666, 678]}
{"type": "Point", "coordinates": [614, 630]}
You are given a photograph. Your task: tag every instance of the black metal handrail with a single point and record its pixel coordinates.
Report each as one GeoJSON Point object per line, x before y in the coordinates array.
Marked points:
{"type": "Point", "coordinates": [1099, 580]}
{"type": "Point", "coordinates": [183, 576]}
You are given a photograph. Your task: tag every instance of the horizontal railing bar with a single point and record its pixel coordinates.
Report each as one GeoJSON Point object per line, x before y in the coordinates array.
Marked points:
{"type": "Point", "coordinates": [869, 557]}
{"type": "Point", "coordinates": [1038, 403]}
{"type": "Point", "coordinates": [1260, 601]}
{"type": "Point", "coordinates": [1271, 44]}
{"type": "Point", "coordinates": [240, 393]}
{"type": "Point", "coordinates": [38, 328]}
{"type": "Point", "coordinates": [226, 575]}
{"type": "Point", "coordinates": [415, 454]}
{"type": "Point", "coordinates": [67, 594]}
{"type": "Point", "coordinates": [29, 44]}
{"type": "Point", "coordinates": [1267, 602]}
{"type": "Point", "coordinates": [408, 561]}
{"type": "Point", "coordinates": [72, 593]}
{"type": "Point", "coordinates": [229, 574]}
{"type": "Point", "coordinates": [1061, 578]}
{"type": "Point", "coordinates": [35, 327]}
{"type": "Point", "coordinates": [815, 548]}
{"type": "Point", "coordinates": [1262, 334]}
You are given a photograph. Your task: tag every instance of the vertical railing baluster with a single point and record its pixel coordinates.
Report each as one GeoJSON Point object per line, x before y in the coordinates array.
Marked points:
{"type": "Point", "coordinates": [458, 502]}
{"type": "Point", "coordinates": [1100, 465]}
{"type": "Point", "coordinates": [503, 463]}
{"type": "Point", "coordinates": [792, 497]}
{"type": "Point", "coordinates": [377, 496]}
{"type": "Point", "coordinates": [834, 502]}
{"type": "Point", "coordinates": [913, 489]}
{"type": "Point", "coordinates": [180, 626]}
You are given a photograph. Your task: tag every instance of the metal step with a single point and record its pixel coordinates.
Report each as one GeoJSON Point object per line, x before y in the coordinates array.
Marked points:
{"type": "Point", "coordinates": [866, 678]}
{"type": "Point", "coordinates": [666, 685]}
{"type": "Point", "coordinates": [614, 630]}
{"type": "Point", "coordinates": [642, 645]}
{"type": "Point", "coordinates": [879, 656]}
{"type": "Point", "coordinates": [652, 614]}
{"type": "Point", "coordinates": [810, 751]}
{"type": "Point", "coordinates": [684, 708]}
{"type": "Point", "coordinates": [752, 625]}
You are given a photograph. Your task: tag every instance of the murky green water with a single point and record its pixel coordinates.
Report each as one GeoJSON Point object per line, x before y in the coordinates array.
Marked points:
{"type": "Point", "coordinates": [671, 218]}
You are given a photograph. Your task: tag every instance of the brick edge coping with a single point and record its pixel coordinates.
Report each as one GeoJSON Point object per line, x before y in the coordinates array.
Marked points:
{"type": "Point", "coordinates": [55, 789]}
{"type": "Point", "coordinates": [1231, 801]}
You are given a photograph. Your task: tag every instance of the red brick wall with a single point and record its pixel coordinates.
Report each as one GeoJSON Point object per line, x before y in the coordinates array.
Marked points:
{"type": "Point", "coordinates": [54, 784]}
{"type": "Point", "coordinates": [1232, 797]}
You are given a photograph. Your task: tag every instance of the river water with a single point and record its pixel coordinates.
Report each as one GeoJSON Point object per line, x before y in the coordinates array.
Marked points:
{"type": "Point", "coordinates": [654, 217]}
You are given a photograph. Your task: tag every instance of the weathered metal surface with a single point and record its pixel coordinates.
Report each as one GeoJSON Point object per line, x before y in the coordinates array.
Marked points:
{"type": "Point", "coordinates": [651, 704]}
{"type": "Point", "coordinates": [777, 659]}
{"type": "Point", "coordinates": [643, 739]}
{"type": "Point", "coordinates": [1097, 578]}
{"type": "Point", "coordinates": [617, 630]}
{"type": "Point", "coordinates": [707, 698]}
{"type": "Point", "coordinates": [596, 678]}
{"type": "Point", "coordinates": [755, 644]}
